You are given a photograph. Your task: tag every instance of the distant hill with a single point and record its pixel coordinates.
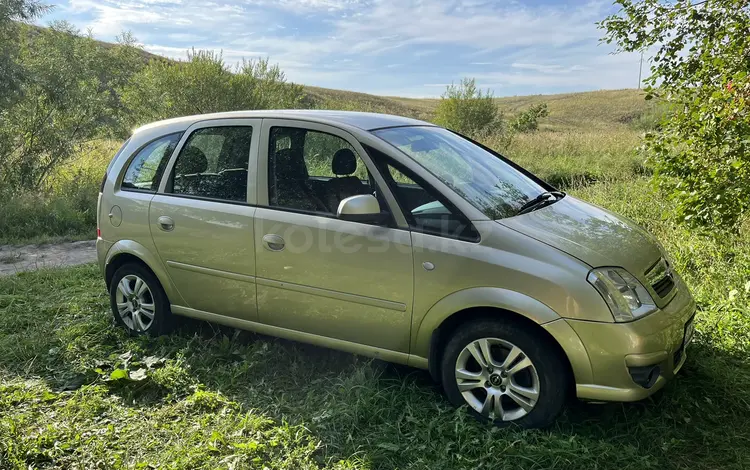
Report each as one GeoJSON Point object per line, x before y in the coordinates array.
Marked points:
{"type": "Point", "coordinates": [568, 111]}
{"type": "Point", "coordinates": [589, 110]}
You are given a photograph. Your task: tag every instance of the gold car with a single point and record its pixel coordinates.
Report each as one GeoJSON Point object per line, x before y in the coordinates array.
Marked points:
{"type": "Point", "coordinates": [392, 238]}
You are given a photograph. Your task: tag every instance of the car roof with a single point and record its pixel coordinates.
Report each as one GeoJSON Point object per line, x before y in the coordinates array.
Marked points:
{"type": "Point", "coordinates": [364, 121]}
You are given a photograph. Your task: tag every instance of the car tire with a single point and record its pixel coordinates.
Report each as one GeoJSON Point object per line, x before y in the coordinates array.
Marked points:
{"type": "Point", "coordinates": [138, 301]}
{"type": "Point", "coordinates": [529, 389]}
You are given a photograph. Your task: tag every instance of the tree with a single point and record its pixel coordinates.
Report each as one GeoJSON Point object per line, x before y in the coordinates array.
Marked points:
{"type": "Point", "coordinates": [204, 84]}
{"type": "Point", "coordinates": [11, 12]}
{"type": "Point", "coordinates": [466, 109]}
{"type": "Point", "coordinates": [69, 97]}
{"type": "Point", "coordinates": [701, 150]}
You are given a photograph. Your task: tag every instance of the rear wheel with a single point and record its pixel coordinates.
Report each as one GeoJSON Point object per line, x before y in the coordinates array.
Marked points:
{"type": "Point", "coordinates": [506, 373]}
{"type": "Point", "coordinates": [138, 301]}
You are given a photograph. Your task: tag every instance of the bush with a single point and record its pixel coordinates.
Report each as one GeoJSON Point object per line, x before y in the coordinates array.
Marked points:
{"type": "Point", "coordinates": [466, 109]}
{"type": "Point", "coordinates": [28, 217]}
{"type": "Point", "coordinates": [701, 150]}
{"type": "Point", "coordinates": [204, 84]}
{"type": "Point", "coordinates": [528, 121]}
{"type": "Point", "coordinates": [11, 71]}
{"type": "Point", "coordinates": [65, 208]}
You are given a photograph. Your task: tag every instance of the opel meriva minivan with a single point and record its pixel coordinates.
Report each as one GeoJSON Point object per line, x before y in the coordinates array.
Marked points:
{"type": "Point", "coordinates": [392, 238]}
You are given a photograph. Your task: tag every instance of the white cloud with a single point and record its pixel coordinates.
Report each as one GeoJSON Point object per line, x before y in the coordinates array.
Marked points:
{"type": "Point", "coordinates": [308, 5]}
{"type": "Point", "coordinates": [369, 45]}
{"type": "Point", "coordinates": [548, 68]}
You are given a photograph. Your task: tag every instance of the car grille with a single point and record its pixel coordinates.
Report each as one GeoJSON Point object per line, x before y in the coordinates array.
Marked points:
{"type": "Point", "coordinates": [661, 278]}
{"type": "Point", "coordinates": [664, 286]}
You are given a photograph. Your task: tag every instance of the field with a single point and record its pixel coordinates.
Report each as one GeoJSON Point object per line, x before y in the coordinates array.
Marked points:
{"type": "Point", "coordinates": [75, 392]}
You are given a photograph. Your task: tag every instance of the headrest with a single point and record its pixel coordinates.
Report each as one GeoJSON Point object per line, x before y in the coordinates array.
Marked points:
{"type": "Point", "coordinates": [344, 162]}
{"type": "Point", "coordinates": [192, 160]}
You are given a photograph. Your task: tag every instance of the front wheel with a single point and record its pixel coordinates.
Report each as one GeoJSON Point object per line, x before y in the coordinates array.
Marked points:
{"type": "Point", "coordinates": [506, 373]}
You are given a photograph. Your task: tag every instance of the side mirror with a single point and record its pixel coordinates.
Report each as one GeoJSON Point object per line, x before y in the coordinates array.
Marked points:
{"type": "Point", "coordinates": [361, 208]}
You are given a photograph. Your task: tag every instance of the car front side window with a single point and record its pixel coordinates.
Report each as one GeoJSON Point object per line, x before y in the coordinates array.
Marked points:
{"type": "Point", "coordinates": [425, 209]}
{"type": "Point", "coordinates": [313, 171]}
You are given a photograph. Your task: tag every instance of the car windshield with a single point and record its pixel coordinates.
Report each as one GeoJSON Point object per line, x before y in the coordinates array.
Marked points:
{"type": "Point", "coordinates": [483, 179]}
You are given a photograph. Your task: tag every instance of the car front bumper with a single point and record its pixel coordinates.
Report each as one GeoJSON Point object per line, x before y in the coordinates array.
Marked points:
{"type": "Point", "coordinates": [617, 351]}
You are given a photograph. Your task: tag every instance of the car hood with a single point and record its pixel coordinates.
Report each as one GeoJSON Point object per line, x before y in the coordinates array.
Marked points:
{"type": "Point", "coordinates": [593, 235]}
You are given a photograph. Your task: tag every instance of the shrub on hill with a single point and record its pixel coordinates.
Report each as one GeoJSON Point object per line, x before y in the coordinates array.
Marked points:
{"type": "Point", "coordinates": [468, 110]}
{"type": "Point", "coordinates": [67, 97]}
{"type": "Point", "coordinates": [528, 121]}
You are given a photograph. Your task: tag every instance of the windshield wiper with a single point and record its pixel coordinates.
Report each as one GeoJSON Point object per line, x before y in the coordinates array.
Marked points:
{"type": "Point", "coordinates": [541, 201]}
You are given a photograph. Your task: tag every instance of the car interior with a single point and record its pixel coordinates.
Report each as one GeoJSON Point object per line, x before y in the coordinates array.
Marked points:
{"type": "Point", "coordinates": [222, 174]}
{"type": "Point", "coordinates": [222, 177]}
{"type": "Point", "coordinates": [292, 186]}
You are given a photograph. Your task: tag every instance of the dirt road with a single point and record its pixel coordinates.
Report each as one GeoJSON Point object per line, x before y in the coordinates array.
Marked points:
{"type": "Point", "coordinates": [15, 259]}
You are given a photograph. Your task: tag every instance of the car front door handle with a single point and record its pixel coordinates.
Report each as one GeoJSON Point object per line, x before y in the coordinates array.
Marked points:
{"type": "Point", "coordinates": [165, 223]}
{"type": "Point", "coordinates": [273, 242]}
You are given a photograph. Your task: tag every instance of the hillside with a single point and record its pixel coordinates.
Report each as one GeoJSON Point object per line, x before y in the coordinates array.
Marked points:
{"type": "Point", "coordinates": [569, 111]}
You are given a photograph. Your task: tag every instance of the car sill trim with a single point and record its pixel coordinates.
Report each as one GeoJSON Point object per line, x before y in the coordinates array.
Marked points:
{"type": "Point", "coordinates": [295, 335]}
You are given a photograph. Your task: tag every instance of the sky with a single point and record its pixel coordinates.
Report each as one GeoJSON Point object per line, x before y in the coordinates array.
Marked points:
{"type": "Point", "coordinates": [410, 48]}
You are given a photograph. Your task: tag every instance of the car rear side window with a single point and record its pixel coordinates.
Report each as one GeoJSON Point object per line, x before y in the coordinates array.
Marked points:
{"type": "Point", "coordinates": [145, 169]}
{"type": "Point", "coordinates": [213, 164]}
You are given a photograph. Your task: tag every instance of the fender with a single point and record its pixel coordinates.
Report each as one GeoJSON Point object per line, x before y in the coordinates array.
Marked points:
{"type": "Point", "coordinates": [151, 260]}
{"type": "Point", "coordinates": [496, 297]}
{"type": "Point", "coordinates": [491, 297]}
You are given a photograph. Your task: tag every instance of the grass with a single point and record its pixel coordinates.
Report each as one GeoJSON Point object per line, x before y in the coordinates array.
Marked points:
{"type": "Point", "coordinates": [589, 111]}
{"type": "Point", "coordinates": [211, 397]}
{"type": "Point", "coordinates": [76, 392]}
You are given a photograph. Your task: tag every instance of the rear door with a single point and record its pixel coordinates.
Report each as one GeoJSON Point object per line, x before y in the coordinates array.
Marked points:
{"type": "Point", "coordinates": [202, 217]}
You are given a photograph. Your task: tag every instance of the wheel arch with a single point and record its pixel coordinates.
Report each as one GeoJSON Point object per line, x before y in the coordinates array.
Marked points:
{"type": "Point", "coordinates": [128, 251]}
{"type": "Point", "coordinates": [483, 303]}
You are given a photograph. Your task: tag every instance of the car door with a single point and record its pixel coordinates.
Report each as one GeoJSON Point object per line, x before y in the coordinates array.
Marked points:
{"type": "Point", "coordinates": [202, 217]}
{"type": "Point", "coordinates": [318, 274]}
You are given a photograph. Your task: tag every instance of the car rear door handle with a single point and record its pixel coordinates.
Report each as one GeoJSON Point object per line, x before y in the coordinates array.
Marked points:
{"type": "Point", "coordinates": [273, 242]}
{"type": "Point", "coordinates": [165, 223]}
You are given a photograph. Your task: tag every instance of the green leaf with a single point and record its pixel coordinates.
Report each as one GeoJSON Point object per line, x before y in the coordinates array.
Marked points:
{"type": "Point", "coordinates": [118, 374]}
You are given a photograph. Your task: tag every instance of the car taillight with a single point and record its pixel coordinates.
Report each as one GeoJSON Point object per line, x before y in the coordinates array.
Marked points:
{"type": "Point", "coordinates": [98, 232]}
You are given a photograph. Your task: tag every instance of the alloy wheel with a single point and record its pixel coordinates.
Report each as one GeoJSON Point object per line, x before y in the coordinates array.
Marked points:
{"type": "Point", "coordinates": [135, 303]}
{"type": "Point", "coordinates": [497, 379]}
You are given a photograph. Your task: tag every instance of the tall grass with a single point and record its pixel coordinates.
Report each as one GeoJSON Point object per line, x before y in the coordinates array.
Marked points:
{"type": "Point", "coordinates": [66, 208]}
{"type": "Point", "coordinates": [576, 157]}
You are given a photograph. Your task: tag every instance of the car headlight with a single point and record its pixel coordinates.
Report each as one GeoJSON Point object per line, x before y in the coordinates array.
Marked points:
{"type": "Point", "coordinates": [625, 296]}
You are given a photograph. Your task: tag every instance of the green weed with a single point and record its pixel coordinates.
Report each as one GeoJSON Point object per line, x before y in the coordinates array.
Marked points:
{"type": "Point", "coordinates": [77, 392]}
